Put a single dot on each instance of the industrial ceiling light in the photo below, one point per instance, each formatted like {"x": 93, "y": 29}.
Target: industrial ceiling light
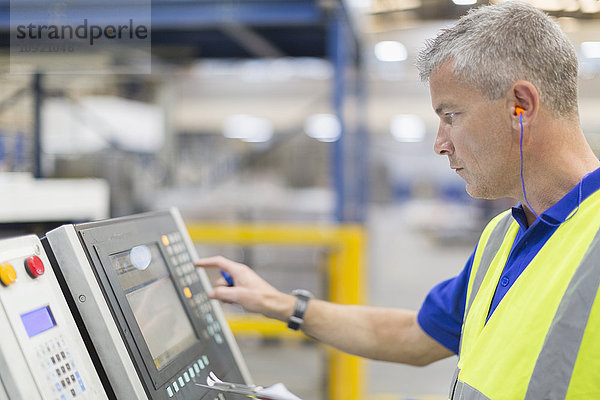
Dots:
{"x": 589, "y": 6}
{"x": 390, "y": 51}
{"x": 323, "y": 127}
{"x": 464, "y": 2}
{"x": 248, "y": 128}
{"x": 590, "y": 49}
{"x": 407, "y": 128}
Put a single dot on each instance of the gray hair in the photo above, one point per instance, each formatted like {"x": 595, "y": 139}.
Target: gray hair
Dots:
{"x": 494, "y": 46}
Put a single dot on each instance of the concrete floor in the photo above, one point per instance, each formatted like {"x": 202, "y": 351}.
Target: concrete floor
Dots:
{"x": 405, "y": 262}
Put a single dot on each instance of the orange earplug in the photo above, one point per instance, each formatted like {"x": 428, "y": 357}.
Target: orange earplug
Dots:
{"x": 519, "y": 110}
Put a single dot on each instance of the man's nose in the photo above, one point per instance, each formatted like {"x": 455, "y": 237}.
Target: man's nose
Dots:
{"x": 443, "y": 145}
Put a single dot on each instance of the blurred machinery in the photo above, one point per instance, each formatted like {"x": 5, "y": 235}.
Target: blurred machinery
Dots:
{"x": 32, "y": 205}
{"x": 181, "y": 33}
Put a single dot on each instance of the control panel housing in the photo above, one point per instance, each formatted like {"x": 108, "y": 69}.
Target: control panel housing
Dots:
{"x": 144, "y": 306}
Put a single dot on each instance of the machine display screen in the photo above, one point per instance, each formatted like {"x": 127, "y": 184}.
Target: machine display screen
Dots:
{"x": 148, "y": 287}
{"x": 38, "y": 321}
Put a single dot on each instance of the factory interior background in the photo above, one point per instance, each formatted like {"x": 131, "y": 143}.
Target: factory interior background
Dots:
{"x": 296, "y": 115}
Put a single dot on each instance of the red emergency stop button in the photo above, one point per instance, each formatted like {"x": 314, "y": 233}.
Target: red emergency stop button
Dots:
{"x": 8, "y": 275}
{"x": 34, "y": 266}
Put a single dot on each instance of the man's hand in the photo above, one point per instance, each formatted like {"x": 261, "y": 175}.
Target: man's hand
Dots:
{"x": 249, "y": 290}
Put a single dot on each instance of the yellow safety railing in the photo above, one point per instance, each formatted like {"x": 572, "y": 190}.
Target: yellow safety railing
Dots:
{"x": 347, "y": 245}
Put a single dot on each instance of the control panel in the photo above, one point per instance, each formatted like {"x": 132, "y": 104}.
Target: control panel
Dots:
{"x": 42, "y": 355}
{"x": 144, "y": 306}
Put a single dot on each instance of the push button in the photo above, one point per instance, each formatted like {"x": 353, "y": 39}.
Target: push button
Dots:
{"x": 8, "y": 276}
{"x": 34, "y": 266}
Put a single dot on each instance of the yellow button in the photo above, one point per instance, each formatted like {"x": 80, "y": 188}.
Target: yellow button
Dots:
{"x": 187, "y": 292}
{"x": 8, "y": 275}
{"x": 165, "y": 240}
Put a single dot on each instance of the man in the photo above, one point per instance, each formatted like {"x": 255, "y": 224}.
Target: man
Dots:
{"x": 522, "y": 314}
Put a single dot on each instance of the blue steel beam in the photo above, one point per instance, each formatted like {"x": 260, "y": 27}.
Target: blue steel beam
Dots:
{"x": 349, "y": 169}
{"x": 362, "y": 137}
{"x": 252, "y": 13}
{"x": 172, "y": 14}
{"x": 338, "y": 56}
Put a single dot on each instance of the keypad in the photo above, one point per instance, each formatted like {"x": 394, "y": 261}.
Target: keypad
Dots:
{"x": 187, "y": 375}
{"x": 180, "y": 260}
{"x": 55, "y": 358}
{"x": 188, "y": 278}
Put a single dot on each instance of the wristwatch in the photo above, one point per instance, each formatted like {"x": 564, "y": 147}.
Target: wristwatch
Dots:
{"x": 297, "y": 318}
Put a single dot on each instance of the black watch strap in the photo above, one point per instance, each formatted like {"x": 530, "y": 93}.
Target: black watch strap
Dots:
{"x": 297, "y": 317}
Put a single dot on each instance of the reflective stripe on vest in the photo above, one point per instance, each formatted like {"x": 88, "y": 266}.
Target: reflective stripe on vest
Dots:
{"x": 489, "y": 251}
{"x": 467, "y": 392}
{"x": 543, "y": 340}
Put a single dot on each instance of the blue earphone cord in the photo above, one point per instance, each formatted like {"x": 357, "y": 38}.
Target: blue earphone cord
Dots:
{"x": 525, "y": 193}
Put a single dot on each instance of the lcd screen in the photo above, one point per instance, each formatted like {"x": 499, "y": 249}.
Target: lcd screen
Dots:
{"x": 151, "y": 294}
{"x": 38, "y": 321}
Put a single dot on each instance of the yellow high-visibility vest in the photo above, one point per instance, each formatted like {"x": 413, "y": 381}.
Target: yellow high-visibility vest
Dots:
{"x": 543, "y": 339}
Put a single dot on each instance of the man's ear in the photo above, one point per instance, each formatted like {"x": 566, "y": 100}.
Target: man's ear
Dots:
{"x": 524, "y": 103}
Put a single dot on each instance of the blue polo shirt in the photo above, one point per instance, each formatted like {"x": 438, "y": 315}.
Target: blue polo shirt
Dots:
{"x": 441, "y": 314}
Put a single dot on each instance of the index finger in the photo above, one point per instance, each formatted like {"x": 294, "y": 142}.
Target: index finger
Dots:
{"x": 218, "y": 262}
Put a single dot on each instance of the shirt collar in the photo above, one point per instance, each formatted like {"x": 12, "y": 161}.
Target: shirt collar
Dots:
{"x": 562, "y": 208}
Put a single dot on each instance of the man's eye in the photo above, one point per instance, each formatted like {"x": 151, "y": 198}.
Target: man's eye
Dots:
{"x": 450, "y": 117}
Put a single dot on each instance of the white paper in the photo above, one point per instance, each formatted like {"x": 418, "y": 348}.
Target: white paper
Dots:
{"x": 277, "y": 392}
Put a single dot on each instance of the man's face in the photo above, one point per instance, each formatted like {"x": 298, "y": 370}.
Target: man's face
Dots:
{"x": 475, "y": 133}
